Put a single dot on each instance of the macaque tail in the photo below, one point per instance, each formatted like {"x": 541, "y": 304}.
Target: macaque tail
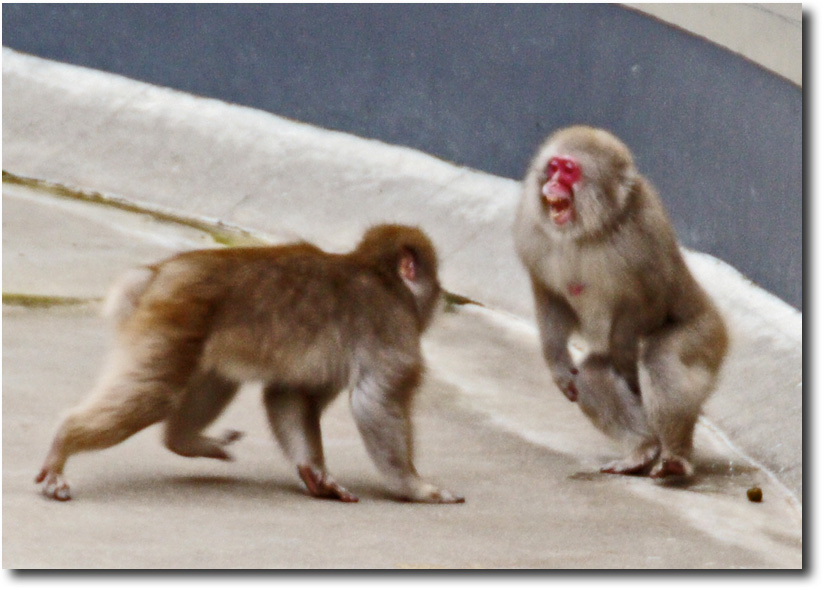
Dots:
{"x": 124, "y": 295}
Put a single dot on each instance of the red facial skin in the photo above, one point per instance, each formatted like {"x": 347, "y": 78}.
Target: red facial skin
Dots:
{"x": 562, "y": 173}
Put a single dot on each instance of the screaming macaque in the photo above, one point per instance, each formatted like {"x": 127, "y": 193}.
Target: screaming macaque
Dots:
{"x": 604, "y": 263}
{"x": 192, "y": 328}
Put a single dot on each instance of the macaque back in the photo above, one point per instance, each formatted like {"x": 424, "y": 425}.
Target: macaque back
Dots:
{"x": 288, "y": 314}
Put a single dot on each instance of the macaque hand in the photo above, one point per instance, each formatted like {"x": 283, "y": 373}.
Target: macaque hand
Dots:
{"x": 564, "y": 379}
{"x": 428, "y": 493}
{"x": 229, "y": 437}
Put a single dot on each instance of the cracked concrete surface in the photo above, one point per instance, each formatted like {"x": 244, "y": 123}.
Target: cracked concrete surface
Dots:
{"x": 490, "y": 425}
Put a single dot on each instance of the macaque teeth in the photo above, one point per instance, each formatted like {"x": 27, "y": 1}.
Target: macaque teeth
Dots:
{"x": 561, "y": 217}
{"x": 560, "y": 209}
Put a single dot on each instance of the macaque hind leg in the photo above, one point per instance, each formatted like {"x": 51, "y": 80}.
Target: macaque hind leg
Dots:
{"x": 294, "y": 415}
{"x": 126, "y": 401}
{"x": 682, "y": 373}
{"x": 207, "y": 394}
{"x": 612, "y": 405}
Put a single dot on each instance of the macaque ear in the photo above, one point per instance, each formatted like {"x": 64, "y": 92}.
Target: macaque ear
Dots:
{"x": 408, "y": 265}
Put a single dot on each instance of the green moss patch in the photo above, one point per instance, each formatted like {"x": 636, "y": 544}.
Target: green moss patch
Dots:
{"x": 451, "y": 301}
{"x": 219, "y": 232}
{"x": 41, "y": 301}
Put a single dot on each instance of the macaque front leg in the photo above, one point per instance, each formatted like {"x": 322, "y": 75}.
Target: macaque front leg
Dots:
{"x": 294, "y": 415}
{"x": 556, "y": 321}
{"x": 382, "y": 416}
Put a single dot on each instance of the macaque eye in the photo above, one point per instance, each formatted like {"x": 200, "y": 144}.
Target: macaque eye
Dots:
{"x": 551, "y": 169}
{"x": 569, "y": 166}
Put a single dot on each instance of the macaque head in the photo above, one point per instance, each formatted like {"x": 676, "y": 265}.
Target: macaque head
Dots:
{"x": 580, "y": 180}
{"x": 400, "y": 251}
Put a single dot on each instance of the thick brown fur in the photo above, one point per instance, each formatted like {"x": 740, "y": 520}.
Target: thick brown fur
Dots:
{"x": 616, "y": 276}
{"x": 307, "y": 323}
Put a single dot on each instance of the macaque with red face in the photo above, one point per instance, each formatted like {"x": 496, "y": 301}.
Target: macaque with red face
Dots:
{"x": 307, "y": 323}
{"x": 605, "y": 264}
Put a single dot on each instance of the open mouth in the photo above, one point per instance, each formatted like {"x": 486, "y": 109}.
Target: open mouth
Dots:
{"x": 560, "y": 208}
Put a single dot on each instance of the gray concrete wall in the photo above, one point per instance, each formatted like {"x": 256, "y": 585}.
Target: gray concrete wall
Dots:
{"x": 768, "y": 34}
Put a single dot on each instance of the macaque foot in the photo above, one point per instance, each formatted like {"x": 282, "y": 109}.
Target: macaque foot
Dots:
{"x": 230, "y": 436}
{"x": 55, "y": 485}
{"x": 625, "y": 466}
{"x": 201, "y": 446}
{"x": 638, "y": 462}
{"x": 320, "y": 484}
{"x": 428, "y": 493}
{"x": 672, "y": 467}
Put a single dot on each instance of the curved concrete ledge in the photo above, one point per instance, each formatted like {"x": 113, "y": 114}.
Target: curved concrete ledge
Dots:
{"x": 169, "y": 151}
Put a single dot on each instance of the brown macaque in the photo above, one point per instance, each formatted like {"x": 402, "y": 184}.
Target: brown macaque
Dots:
{"x": 605, "y": 264}
{"x": 192, "y": 328}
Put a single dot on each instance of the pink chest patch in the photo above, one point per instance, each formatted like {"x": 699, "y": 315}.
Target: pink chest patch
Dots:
{"x": 575, "y": 288}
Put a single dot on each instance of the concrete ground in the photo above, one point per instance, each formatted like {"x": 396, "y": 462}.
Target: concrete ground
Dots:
{"x": 105, "y": 173}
